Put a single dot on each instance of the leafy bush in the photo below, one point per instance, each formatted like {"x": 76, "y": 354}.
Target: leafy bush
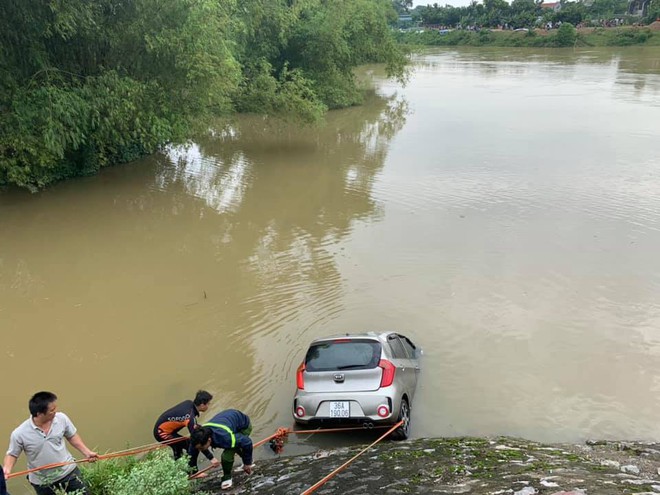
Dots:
{"x": 98, "y": 476}
{"x": 626, "y": 37}
{"x": 156, "y": 474}
{"x": 566, "y": 35}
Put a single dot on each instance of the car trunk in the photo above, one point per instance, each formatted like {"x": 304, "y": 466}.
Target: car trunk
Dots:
{"x": 343, "y": 365}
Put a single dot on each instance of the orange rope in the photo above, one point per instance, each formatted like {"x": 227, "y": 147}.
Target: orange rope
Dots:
{"x": 323, "y": 481}
{"x": 122, "y": 453}
{"x": 280, "y": 433}
{"x": 334, "y": 430}
{"x": 47, "y": 466}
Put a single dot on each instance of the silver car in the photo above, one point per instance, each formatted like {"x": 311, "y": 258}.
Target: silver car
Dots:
{"x": 360, "y": 378}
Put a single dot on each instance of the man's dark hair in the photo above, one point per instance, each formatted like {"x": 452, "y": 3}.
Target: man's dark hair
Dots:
{"x": 40, "y": 401}
{"x": 200, "y": 436}
{"x": 202, "y": 397}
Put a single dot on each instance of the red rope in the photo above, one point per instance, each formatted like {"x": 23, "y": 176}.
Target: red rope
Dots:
{"x": 323, "y": 481}
{"x": 112, "y": 455}
{"x": 280, "y": 434}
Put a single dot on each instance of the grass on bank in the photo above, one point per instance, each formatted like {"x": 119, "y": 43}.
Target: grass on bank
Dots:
{"x": 566, "y": 36}
{"x": 156, "y": 474}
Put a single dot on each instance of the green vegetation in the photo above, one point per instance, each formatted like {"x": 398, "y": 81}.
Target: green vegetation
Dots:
{"x": 529, "y": 14}
{"x": 156, "y": 474}
{"x": 653, "y": 12}
{"x": 99, "y": 475}
{"x": 566, "y": 36}
{"x": 601, "y": 23}
{"x": 85, "y": 84}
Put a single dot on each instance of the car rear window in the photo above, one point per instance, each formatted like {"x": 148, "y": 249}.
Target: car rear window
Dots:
{"x": 343, "y": 355}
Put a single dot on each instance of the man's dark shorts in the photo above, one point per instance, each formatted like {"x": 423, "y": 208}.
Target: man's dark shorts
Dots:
{"x": 70, "y": 483}
{"x": 3, "y": 485}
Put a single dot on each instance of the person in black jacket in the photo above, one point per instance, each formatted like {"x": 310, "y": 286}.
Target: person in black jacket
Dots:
{"x": 229, "y": 430}
{"x": 178, "y": 417}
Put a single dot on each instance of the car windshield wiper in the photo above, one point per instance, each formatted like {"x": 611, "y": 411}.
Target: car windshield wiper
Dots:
{"x": 350, "y": 366}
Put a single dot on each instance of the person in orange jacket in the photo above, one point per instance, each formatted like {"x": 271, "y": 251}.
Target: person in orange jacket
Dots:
{"x": 176, "y": 418}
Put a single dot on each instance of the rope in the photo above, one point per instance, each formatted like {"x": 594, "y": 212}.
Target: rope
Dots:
{"x": 281, "y": 433}
{"x": 112, "y": 455}
{"x": 334, "y": 430}
{"x": 323, "y": 481}
{"x": 47, "y": 466}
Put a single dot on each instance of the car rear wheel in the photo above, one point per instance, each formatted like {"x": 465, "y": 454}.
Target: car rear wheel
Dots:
{"x": 402, "y": 432}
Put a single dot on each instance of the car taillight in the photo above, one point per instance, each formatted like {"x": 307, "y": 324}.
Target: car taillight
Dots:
{"x": 388, "y": 373}
{"x": 300, "y": 379}
{"x": 300, "y": 411}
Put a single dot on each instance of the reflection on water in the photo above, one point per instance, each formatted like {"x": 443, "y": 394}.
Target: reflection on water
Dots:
{"x": 221, "y": 186}
{"x": 502, "y": 209}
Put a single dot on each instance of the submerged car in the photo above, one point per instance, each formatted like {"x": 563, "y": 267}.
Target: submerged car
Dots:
{"x": 364, "y": 378}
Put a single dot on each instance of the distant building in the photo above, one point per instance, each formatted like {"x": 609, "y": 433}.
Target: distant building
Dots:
{"x": 555, "y": 6}
{"x": 405, "y": 21}
{"x": 638, "y": 7}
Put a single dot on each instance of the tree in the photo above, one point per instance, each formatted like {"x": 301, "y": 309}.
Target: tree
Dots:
{"x": 571, "y": 12}
{"x": 87, "y": 84}
{"x": 606, "y": 9}
{"x": 402, "y": 6}
{"x": 524, "y": 13}
{"x": 336, "y": 37}
{"x": 496, "y": 12}
{"x": 653, "y": 13}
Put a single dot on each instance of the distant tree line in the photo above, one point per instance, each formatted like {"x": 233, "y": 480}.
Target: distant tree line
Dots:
{"x": 524, "y": 13}
{"x": 90, "y": 83}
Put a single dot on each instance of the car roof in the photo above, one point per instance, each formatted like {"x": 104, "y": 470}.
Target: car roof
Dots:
{"x": 382, "y": 336}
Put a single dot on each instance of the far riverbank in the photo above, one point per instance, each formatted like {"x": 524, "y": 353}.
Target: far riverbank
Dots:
{"x": 583, "y": 37}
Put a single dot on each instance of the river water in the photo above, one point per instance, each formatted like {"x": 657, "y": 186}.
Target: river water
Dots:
{"x": 502, "y": 209}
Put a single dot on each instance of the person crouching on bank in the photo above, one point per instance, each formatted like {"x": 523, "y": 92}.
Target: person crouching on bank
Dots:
{"x": 229, "y": 430}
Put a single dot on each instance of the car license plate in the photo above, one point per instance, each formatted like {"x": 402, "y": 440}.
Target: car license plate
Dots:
{"x": 339, "y": 409}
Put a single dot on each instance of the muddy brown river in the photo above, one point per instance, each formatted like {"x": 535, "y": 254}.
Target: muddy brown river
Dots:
{"x": 502, "y": 210}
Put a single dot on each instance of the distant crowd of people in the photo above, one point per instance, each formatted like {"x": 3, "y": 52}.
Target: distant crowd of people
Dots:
{"x": 41, "y": 438}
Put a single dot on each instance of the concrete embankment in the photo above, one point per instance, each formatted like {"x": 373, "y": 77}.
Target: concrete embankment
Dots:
{"x": 477, "y": 466}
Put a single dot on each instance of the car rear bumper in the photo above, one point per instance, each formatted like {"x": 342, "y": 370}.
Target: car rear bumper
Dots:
{"x": 363, "y": 407}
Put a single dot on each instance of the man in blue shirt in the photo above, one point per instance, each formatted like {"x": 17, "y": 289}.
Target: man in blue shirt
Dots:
{"x": 229, "y": 430}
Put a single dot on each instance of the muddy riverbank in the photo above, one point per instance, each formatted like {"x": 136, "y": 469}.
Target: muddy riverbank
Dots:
{"x": 477, "y": 466}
